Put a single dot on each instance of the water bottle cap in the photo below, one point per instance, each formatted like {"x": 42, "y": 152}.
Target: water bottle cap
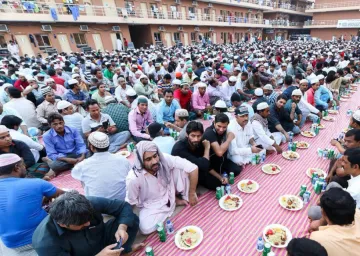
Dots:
{"x": 168, "y": 221}
{"x": 260, "y": 238}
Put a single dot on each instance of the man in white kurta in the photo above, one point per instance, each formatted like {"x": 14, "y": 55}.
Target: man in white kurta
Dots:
{"x": 156, "y": 184}
{"x": 243, "y": 146}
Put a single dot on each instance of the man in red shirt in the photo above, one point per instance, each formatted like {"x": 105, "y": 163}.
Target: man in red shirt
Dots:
{"x": 57, "y": 79}
{"x": 21, "y": 83}
{"x": 310, "y": 93}
{"x": 183, "y": 95}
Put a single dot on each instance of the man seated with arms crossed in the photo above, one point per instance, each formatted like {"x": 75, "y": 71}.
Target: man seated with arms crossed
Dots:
{"x": 243, "y": 146}
{"x": 64, "y": 145}
{"x": 157, "y": 183}
{"x": 181, "y": 121}
{"x": 139, "y": 119}
{"x": 262, "y": 135}
{"x": 200, "y": 100}
{"x": 103, "y": 174}
{"x": 341, "y": 234}
{"x": 75, "y": 226}
{"x": 20, "y": 205}
{"x": 196, "y": 151}
{"x": 219, "y": 139}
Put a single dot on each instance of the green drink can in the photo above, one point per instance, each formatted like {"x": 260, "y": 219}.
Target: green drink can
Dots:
{"x": 159, "y": 224}
{"x": 318, "y": 187}
{"x": 149, "y": 251}
{"x": 267, "y": 249}
{"x": 231, "y": 178}
{"x": 205, "y": 116}
{"x": 218, "y": 193}
{"x": 302, "y": 190}
{"x": 162, "y": 234}
{"x": 293, "y": 147}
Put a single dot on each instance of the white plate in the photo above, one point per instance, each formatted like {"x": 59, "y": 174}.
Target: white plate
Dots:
{"x": 297, "y": 144}
{"x": 301, "y": 204}
{"x": 231, "y": 110}
{"x": 333, "y": 112}
{"x": 308, "y": 173}
{"x": 284, "y": 154}
{"x": 257, "y": 186}
{"x": 221, "y": 203}
{"x": 271, "y": 173}
{"x": 124, "y": 153}
{"x": 308, "y": 136}
{"x": 322, "y": 126}
{"x": 288, "y": 235}
{"x": 177, "y": 237}
{"x": 329, "y": 118}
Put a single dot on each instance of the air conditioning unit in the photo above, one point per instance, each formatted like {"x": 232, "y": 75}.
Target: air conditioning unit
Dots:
{"x": 116, "y": 28}
{"x": 84, "y": 28}
{"x": 161, "y": 28}
{"x": 211, "y": 29}
{"x": 46, "y": 28}
{"x": 3, "y": 28}
{"x": 194, "y": 3}
{"x": 249, "y": 10}
{"x": 180, "y": 28}
{"x": 197, "y": 29}
{"x": 178, "y": 1}
{"x": 210, "y": 5}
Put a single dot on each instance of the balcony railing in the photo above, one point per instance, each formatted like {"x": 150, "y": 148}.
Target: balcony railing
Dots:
{"x": 320, "y": 22}
{"x": 334, "y": 5}
{"x": 289, "y": 7}
{"x": 286, "y": 23}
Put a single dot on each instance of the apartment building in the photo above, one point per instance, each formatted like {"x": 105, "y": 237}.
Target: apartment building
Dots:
{"x": 80, "y": 25}
{"x": 334, "y": 19}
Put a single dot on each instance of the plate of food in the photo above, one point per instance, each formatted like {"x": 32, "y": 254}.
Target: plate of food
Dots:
{"x": 333, "y": 111}
{"x": 290, "y": 155}
{"x": 302, "y": 144}
{"x": 124, "y": 153}
{"x": 271, "y": 169}
{"x": 187, "y": 238}
{"x": 308, "y": 134}
{"x": 320, "y": 172}
{"x": 329, "y": 118}
{"x": 277, "y": 235}
{"x": 344, "y": 100}
{"x": 345, "y": 96}
{"x": 345, "y": 130}
{"x": 230, "y": 202}
{"x": 248, "y": 186}
{"x": 321, "y": 126}
{"x": 291, "y": 202}
{"x": 231, "y": 109}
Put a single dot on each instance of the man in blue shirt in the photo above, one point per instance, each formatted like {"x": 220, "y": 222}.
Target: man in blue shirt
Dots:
{"x": 20, "y": 205}
{"x": 64, "y": 145}
{"x": 167, "y": 107}
{"x": 74, "y": 94}
{"x": 323, "y": 96}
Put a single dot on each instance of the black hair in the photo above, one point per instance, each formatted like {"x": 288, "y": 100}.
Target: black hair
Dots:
{"x": 299, "y": 76}
{"x": 319, "y": 65}
{"x": 288, "y": 80}
{"x": 71, "y": 208}
{"x": 54, "y": 116}
{"x": 197, "y": 79}
{"x": 339, "y": 206}
{"x": 356, "y": 121}
{"x": 331, "y": 76}
{"x": 245, "y": 74}
{"x": 235, "y": 97}
{"x": 221, "y": 118}
{"x": 14, "y": 92}
{"x": 219, "y": 72}
{"x": 282, "y": 96}
{"x": 10, "y": 121}
{"x": 194, "y": 126}
{"x": 91, "y": 102}
{"x": 167, "y": 76}
{"x": 355, "y": 133}
{"x": 353, "y": 155}
{"x": 305, "y": 247}
{"x": 168, "y": 91}
{"x": 51, "y": 72}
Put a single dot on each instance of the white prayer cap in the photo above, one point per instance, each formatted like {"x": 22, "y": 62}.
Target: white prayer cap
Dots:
{"x": 72, "y": 81}
{"x": 356, "y": 115}
{"x": 220, "y": 104}
{"x": 130, "y": 92}
{"x": 262, "y": 106}
{"x": 296, "y": 92}
{"x": 138, "y": 72}
{"x": 122, "y": 64}
{"x": 176, "y": 81}
{"x": 109, "y": 99}
{"x": 30, "y": 78}
{"x": 181, "y": 112}
{"x": 201, "y": 85}
{"x": 259, "y": 92}
{"x": 157, "y": 65}
{"x": 314, "y": 80}
{"x": 268, "y": 87}
{"x": 49, "y": 80}
{"x": 320, "y": 77}
{"x": 232, "y": 79}
{"x": 3, "y": 129}
{"x": 99, "y": 140}
{"x": 8, "y": 159}
{"x": 134, "y": 66}
{"x": 73, "y": 76}
{"x": 304, "y": 81}
{"x": 143, "y": 76}
{"x": 62, "y": 104}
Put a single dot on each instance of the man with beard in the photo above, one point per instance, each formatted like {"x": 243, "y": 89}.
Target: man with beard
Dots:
{"x": 157, "y": 183}
{"x": 143, "y": 87}
{"x": 183, "y": 95}
{"x": 294, "y": 111}
{"x": 253, "y": 82}
{"x": 308, "y": 111}
{"x": 219, "y": 139}
{"x": 21, "y": 212}
{"x": 270, "y": 94}
{"x": 181, "y": 121}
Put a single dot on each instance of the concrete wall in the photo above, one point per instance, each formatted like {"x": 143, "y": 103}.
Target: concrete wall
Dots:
{"x": 328, "y": 33}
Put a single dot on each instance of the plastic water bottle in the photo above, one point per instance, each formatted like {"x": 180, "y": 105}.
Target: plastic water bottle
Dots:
{"x": 262, "y": 157}
{"x": 169, "y": 227}
{"x": 260, "y": 244}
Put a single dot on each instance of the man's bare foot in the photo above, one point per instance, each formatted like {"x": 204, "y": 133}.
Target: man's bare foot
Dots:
{"x": 179, "y": 202}
{"x": 49, "y": 175}
{"x": 46, "y": 160}
{"x": 135, "y": 248}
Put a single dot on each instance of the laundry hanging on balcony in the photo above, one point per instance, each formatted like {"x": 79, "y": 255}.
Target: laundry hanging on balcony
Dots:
{"x": 75, "y": 11}
{"x": 53, "y": 13}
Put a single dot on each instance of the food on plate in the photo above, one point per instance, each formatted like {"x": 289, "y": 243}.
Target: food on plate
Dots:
{"x": 308, "y": 134}
{"x": 231, "y": 109}
{"x": 276, "y": 236}
{"x": 332, "y": 111}
{"x": 248, "y": 186}
{"x": 290, "y": 155}
{"x": 345, "y": 96}
{"x": 302, "y": 144}
{"x": 319, "y": 172}
{"x": 188, "y": 238}
{"x": 328, "y": 118}
{"x": 346, "y": 130}
{"x": 290, "y": 202}
{"x": 321, "y": 126}
{"x": 271, "y": 168}
{"x": 231, "y": 202}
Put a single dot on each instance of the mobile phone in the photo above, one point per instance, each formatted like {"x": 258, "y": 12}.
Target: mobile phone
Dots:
{"x": 259, "y": 146}
{"x": 118, "y": 245}
{"x": 105, "y": 124}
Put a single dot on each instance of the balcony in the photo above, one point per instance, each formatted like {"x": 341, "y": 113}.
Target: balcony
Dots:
{"x": 289, "y": 8}
{"x": 321, "y": 24}
{"x": 334, "y": 7}
{"x": 111, "y": 15}
{"x": 252, "y": 4}
{"x": 286, "y": 24}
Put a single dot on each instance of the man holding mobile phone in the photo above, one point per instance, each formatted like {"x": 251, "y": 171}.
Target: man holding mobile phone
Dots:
{"x": 243, "y": 146}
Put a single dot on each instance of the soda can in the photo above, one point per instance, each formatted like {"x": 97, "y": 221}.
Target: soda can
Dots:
{"x": 159, "y": 224}
{"x": 314, "y": 179}
{"x": 257, "y": 158}
{"x": 128, "y": 147}
{"x": 132, "y": 146}
{"x": 302, "y": 190}
{"x": 325, "y": 154}
{"x": 231, "y": 178}
{"x": 326, "y": 112}
{"x": 253, "y": 160}
{"x": 149, "y": 251}
{"x": 267, "y": 248}
{"x": 162, "y": 234}
{"x": 218, "y": 193}
{"x": 324, "y": 185}
{"x": 318, "y": 187}
{"x": 293, "y": 148}
{"x": 306, "y": 196}
{"x": 320, "y": 152}
{"x": 290, "y": 146}
{"x": 228, "y": 189}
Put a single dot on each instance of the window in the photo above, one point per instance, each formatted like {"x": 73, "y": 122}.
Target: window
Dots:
{"x": 2, "y": 42}
{"x": 191, "y": 13}
{"x": 80, "y": 38}
{"x": 193, "y": 37}
{"x": 177, "y": 37}
{"x": 174, "y": 13}
{"x": 207, "y": 35}
{"x": 207, "y": 13}
{"x": 157, "y": 37}
{"x": 43, "y": 40}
